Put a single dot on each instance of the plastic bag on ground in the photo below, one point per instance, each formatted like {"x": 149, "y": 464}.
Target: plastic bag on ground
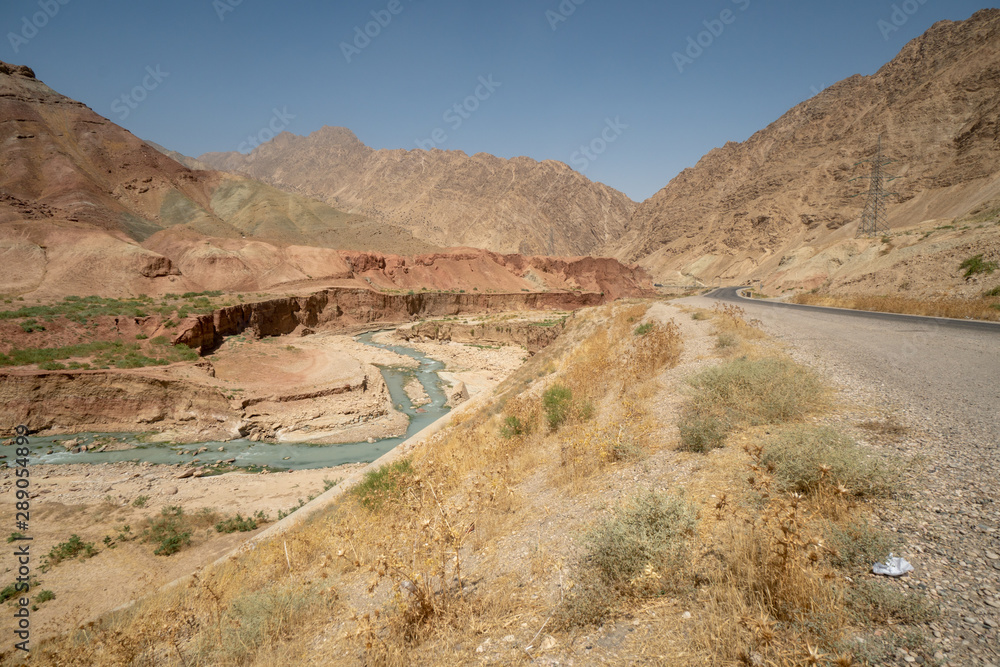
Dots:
{"x": 894, "y": 566}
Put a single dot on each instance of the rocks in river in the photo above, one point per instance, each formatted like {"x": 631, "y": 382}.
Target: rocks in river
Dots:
{"x": 187, "y": 473}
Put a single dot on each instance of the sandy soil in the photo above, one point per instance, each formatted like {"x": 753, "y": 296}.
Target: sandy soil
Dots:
{"x": 94, "y": 501}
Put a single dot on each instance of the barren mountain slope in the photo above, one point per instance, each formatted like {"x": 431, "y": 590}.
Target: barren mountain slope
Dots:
{"x": 444, "y": 197}
{"x": 81, "y": 196}
{"x": 747, "y": 205}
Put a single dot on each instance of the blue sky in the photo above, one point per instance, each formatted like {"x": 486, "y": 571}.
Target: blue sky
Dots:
{"x": 541, "y": 78}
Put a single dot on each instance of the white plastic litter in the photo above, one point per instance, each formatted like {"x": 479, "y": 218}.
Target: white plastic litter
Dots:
{"x": 893, "y": 567}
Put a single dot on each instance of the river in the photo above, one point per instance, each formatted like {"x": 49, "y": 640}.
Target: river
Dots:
{"x": 274, "y": 456}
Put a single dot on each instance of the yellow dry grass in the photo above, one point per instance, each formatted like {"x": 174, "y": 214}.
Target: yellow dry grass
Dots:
{"x": 984, "y": 308}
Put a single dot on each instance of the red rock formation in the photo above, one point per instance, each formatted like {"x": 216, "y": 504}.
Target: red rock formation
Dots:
{"x": 342, "y": 309}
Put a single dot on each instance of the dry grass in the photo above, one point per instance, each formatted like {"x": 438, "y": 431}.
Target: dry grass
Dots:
{"x": 433, "y": 557}
{"x": 745, "y": 392}
{"x": 984, "y": 308}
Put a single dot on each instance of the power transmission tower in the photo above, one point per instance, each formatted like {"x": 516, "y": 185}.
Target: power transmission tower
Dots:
{"x": 873, "y": 220}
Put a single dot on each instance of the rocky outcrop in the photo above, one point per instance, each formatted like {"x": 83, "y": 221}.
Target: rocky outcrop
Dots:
{"x": 343, "y": 309}
{"x": 113, "y": 401}
{"x": 533, "y": 336}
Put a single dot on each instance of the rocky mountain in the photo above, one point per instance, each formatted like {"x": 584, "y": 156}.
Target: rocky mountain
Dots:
{"x": 444, "y": 197}
{"x": 757, "y": 207}
{"x": 88, "y": 208}
{"x": 82, "y": 200}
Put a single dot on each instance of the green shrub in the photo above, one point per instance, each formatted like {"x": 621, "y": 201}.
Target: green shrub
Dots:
{"x": 556, "y": 403}
{"x": 140, "y": 501}
{"x": 642, "y": 548}
{"x": 857, "y": 544}
{"x": 993, "y": 292}
{"x": 45, "y": 596}
{"x": 640, "y": 551}
{"x": 746, "y": 392}
{"x": 702, "y": 432}
{"x": 801, "y": 457}
{"x": 386, "y": 484}
{"x": 74, "y": 547}
{"x": 168, "y": 531}
{"x": 512, "y": 428}
{"x": 236, "y": 524}
{"x": 975, "y": 265}
{"x": 643, "y": 329}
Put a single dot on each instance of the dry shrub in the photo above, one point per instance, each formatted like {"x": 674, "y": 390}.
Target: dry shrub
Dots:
{"x": 771, "y": 592}
{"x": 977, "y": 309}
{"x": 415, "y": 555}
{"x": 728, "y": 318}
{"x": 641, "y": 551}
{"x": 803, "y": 457}
{"x": 587, "y": 446}
{"x": 616, "y": 356}
{"x": 746, "y": 392}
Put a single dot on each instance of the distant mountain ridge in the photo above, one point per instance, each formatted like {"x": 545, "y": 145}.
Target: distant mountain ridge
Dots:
{"x": 444, "y": 197}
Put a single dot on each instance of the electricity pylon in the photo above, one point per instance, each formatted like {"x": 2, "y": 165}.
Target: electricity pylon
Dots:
{"x": 874, "y": 219}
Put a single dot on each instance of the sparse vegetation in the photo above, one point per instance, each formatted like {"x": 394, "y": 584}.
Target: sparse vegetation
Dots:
{"x": 976, "y": 265}
{"x": 976, "y": 309}
{"x": 74, "y": 547}
{"x": 455, "y": 548}
{"x": 746, "y": 392}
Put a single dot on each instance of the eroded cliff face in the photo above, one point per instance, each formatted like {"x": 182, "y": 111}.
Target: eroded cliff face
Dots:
{"x": 114, "y": 401}
{"x": 344, "y": 309}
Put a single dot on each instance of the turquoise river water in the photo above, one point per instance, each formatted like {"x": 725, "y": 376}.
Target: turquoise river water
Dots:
{"x": 276, "y": 456}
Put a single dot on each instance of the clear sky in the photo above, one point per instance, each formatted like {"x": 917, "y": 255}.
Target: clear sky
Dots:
{"x": 627, "y": 80}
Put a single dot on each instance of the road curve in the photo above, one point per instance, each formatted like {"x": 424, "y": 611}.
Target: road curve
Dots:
{"x": 733, "y": 294}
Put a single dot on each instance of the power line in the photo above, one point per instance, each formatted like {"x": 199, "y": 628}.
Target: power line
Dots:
{"x": 874, "y": 219}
